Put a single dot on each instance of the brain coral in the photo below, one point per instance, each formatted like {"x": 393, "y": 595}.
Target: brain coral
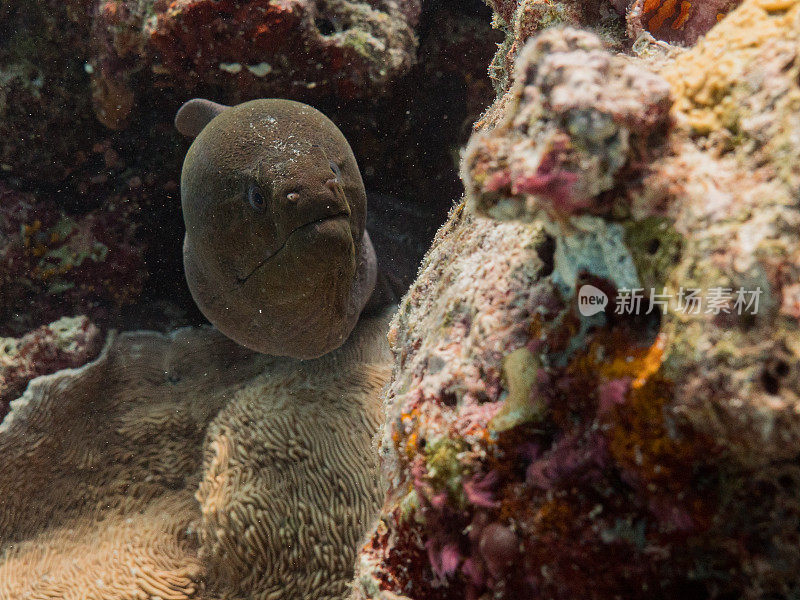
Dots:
{"x": 535, "y": 450}
{"x": 168, "y": 468}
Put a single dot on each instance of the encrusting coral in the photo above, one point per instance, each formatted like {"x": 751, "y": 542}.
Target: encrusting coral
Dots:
{"x": 168, "y": 468}
{"x": 67, "y": 343}
{"x": 538, "y": 445}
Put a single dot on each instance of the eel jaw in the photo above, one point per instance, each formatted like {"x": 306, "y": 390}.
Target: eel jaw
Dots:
{"x": 242, "y": 280}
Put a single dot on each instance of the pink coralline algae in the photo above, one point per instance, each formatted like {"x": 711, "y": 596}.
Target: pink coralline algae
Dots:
{"x": 580, "y": 123}
{"x": 66, "y": 343}
{"x": 536, "y": 451}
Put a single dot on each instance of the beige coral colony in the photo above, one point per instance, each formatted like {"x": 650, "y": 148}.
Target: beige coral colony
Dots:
{"x": 400, "y": 300}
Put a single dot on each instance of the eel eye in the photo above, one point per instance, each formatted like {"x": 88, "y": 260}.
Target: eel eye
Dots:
{"x": 255, "y": 199}
{"x": 293, "y": 196}
{"x": 335, "y": 169}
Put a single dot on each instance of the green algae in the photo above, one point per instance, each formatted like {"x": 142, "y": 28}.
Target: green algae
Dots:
{"x": 520, "y": 369}
{"x": 655, "y": 247}
{"x": 444, "y": 467}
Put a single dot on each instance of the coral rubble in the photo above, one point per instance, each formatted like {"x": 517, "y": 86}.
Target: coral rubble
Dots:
{"x": 538, "y": 446}
{"x": 168, "y": 467}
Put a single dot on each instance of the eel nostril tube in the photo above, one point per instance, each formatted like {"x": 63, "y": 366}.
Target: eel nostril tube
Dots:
{"x": 332, "y": 183}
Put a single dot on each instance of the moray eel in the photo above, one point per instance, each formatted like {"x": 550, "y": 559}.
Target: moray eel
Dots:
{"x": 276, "y": 252}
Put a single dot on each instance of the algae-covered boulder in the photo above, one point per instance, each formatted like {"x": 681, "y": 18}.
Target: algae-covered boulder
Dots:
{"x": 596, "y": 390}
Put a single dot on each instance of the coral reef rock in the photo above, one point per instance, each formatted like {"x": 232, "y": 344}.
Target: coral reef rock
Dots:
{"x": 182, "y": 466}
{"x": 578, "y": 124}
{"x": 596, "y": 391}
{"x": 523, "y": 19}
{"x": 67, "y": 343}
{"x": 619, "y": 23}
{"x": 52, "y": 262}
{"x": 295, "y": 48}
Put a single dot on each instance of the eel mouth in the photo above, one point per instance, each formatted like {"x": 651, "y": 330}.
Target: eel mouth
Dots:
{"x": 341, "y": 215}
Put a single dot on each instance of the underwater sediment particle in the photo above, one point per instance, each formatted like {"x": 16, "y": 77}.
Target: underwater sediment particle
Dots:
{"x": 659, "y": 457}
{"x": 169, "y": 467}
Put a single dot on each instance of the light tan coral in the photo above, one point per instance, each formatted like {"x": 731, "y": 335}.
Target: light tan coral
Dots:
{"x": 85, "y": 450}
{"x": 142, "y": 554}
{"x": 759, "y": 35}
{"x": 289, "y": 486}
{"x": 102, "y": 465}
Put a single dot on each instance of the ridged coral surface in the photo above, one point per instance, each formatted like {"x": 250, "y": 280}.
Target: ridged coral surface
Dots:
{"x": 536, "y": 449}
{"x": 183, "y": 466}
